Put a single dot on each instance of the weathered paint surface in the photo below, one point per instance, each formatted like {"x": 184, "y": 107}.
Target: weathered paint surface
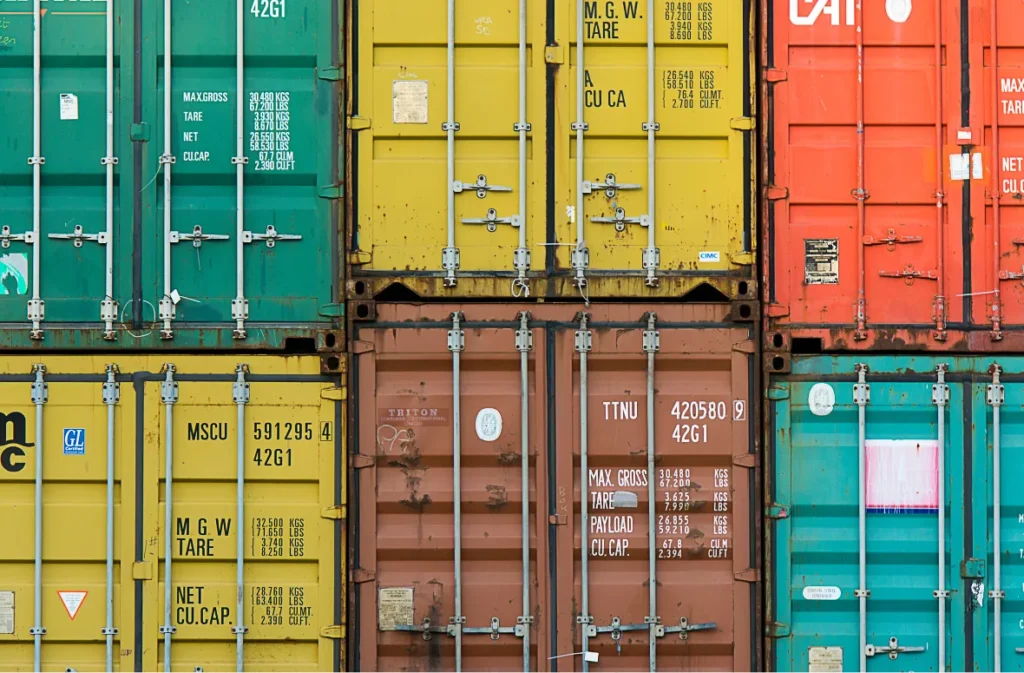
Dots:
{"x": 705, "y": 482}
{"x": 294, "y": 546}
{"x": 703, "y": 153}
{"x": 813, "y": 547}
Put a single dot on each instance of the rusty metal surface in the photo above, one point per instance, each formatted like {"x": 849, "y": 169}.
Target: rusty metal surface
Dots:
{"x": 403, "y": 488}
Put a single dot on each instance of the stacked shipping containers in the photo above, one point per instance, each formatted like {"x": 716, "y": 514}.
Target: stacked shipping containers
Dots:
{"x": 551, "y": 268}
{"x": 171, "y": 457}
{"x": 892, "y": 231}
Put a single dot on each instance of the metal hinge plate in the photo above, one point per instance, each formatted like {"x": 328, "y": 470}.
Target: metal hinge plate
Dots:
{"x": 358, "y": 123}
{"x": 361, "y": 460}
{"x": 142, "y": 570}
{"x": 331, "y": 73}
{"x": 336, "y": 513}
{"x": 776, "y": 512}
{"x": 554, "y": 54}
{"x": 334, "y": 632}
{"x": 361, "y": 576}
{"x": 777, "y": 393}
{"x": 359, "y": 257}
{"x": 333, "y": 394}
{"x": 742, "y": 123}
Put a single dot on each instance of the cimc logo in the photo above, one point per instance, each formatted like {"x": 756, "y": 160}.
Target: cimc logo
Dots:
{"x": 842, "y": 11}
{"x": 13, "y": 441}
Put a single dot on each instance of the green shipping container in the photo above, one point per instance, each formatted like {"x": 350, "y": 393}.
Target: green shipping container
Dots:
{"x": 170, "y": 173}
{"x": 895, "y": 530}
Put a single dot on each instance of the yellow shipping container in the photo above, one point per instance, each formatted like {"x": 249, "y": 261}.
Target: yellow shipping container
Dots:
{"x": 488, "y": 163}
{"x": 104, "y": 443}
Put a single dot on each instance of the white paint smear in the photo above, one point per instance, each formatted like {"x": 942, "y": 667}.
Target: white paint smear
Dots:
{"x": 902, "y": 475}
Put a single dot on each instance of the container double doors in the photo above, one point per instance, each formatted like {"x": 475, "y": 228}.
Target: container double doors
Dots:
{"x": 922, "y": 590}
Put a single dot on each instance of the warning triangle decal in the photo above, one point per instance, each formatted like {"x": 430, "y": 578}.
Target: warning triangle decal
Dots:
{"x": 72, "y": 601}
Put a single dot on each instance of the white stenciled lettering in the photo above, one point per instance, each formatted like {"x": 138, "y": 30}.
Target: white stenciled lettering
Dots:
{"x": 721, "y": 525}
{"x": 635, "y": 478}
{"x": 611, "y": 525}
{"x": 721, "y": 478}
{"x": 271, "y": 131}
{"x": 613, "y": 547}
{"x": 190, "y": 136}
{"x": 199, "y": 157}
{"x": 620, "y": 411}
{"x": 829, "y": 8}
{"x": 601, "y": 478}
{"x": 602, "y": 500}
{"x": 1013, "y": 107}
{"x": 268, "y": 9}
{"x": 718, "y": 548}
{"x": 205, "y": 97}
{"x": 721, "y": 501}
{"x": 193, "y": 116}
{"x": 1011, "y": 84}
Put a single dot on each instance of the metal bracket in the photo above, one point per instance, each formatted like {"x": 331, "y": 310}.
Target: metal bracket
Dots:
{"x": 168, "y": 159}
{"x": 494, "y": 630}
{"x": 109, "y": 631}
{"x": 651, "y": 126}
{"x": 580, "y": 260}
{"x": 456, "y": 335}
{"x": 239, "y": 309}
{"x": 862, "y": 593}
{"x": 37, "y": 631}
{"x": 909, "y": 273}
{"x": 620, "y": 220}
{"x": 940, "y": 391}
{"x": 891, "y": 240}
{"x": 492, "y": 220}
{"x": 893, "y": 649}
{"x": 6, "y": 237}
{"x": 169, "y": 387}
{"x": 521, "y": 257}
{"x": 584, "y": 338}
{"x": 271, "y": 237}
{"x": 240, "y": 389}
{"x": 239, "y": 160}
{"x": 40, "y": 389}
{"x": 111, "y": 388}
{"x": 610, "y": 187}
{"x": 111, "y": 161}
{"x": 36, "y": 310}
{"x": 995, "y": 393}
{"x": 480, "y": 186}
{"x": 424, "y": 628}
{"x": 652, "y": 337}
{"x": 239, "y": 629}
{"x": 861, "y": 390}
{"x": 450, "y": 263}
{"x": 685, "y": 628}
{"x": 524, "y": 126}
{"x": 197, "y": 236}
{"x": 580, "y": 126}
{"x": 36, "y": 161}
{"x": 455, "y": 625}
{"x": 1011, "y": 275}
{"x": 451, "y": 126}
{"x": 166, "y": 312}
{"x": 79, "y": 237}
{"x": 523, "y": 623}
{"x": 168, "y": 629}
{"x": 940, "y": 593}
{"x": 524, "y": 336}
{"x": 651, "y": 256}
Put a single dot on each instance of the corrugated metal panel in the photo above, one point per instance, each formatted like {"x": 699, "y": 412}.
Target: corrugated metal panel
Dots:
{"x": 698, "y": 154}
{"x": 282, "y": 125}
{"x": 411, "y": 484}
{"x": 291, "y": 531}
{"x": 813, "y": 537}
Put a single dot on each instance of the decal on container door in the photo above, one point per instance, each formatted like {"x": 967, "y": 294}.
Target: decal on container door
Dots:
{"x": 6, "y": 612}
{"x": 825, "y": 659}
{"x": 409, "y": 102}
{"x": 72, "y": 601}
{"x": 821, "y": 261}
{"x": 394, "y": 608}
{"x": 902, "y": 475}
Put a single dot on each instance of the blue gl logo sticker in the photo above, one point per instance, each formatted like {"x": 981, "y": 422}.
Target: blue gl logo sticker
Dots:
{"x": 74, "y": 441}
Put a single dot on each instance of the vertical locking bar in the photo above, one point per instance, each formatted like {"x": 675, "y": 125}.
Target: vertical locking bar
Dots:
{"x": 456, "y": 344}
{"x": 996, "y": 394}
{"x": 36, "y": 305}
{"x": 240, "y": 306}
{"x": 860, "y": 193}
{"x": 861, "y": 396}
{"x": 169, "y": 396}
{"x": 584, "y": 344}
{"x": 450, "y": 255}
{"x": 580, "y": 253}
{"x": 521, "y": 257}
{"x": 166, "y": 305}
{"x": 940, "y": 397}
{"x": 650, "y": 255}
{"x": 240, "y": 395}
{"x": 524, "y": 344}
{"x": 108, "y": 307}
{"x": 651, "y": 345}
{"x": 40, "y": 395}
{"x": 995, "y": 168}
{"x": 111, "y": 396}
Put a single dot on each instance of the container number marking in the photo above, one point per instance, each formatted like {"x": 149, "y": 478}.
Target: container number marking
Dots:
{"x": 691, "y": 434}
{"x": 268, "y": 9}
{"x": 699, "y": 410}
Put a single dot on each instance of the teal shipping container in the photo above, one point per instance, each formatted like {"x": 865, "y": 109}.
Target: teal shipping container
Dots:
{"x": 170, "y": 174}
{"x": 895, "y": 516}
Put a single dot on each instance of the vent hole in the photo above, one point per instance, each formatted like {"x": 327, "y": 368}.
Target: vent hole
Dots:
{"x": 777, "y": 340}
{"x": 362, "y": 311}
{"x": 333, "y": 363}
{"x": 743, "y": 288}
{"x": 360, "y": 287}
{"x": 330, "y": 340}
{"x": 778, "y": 363}
{"x": 745, "y": 311}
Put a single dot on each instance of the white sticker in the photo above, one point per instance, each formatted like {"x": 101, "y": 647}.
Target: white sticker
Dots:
{"x": 902, "y": 475}
{"x": 709, "y": 256}
{"x": 488, "y": 424}
{"x": 821, "y": 399}
{"x": 72, "y": 601}
{"x": 409, "y": 101}
{"x": 6, "y": 612}
{"x": 14, "y": 273}
{"x": 966, "y": 166}
{"x": 68, "y": 106}
{"x": 822, "y": 593}
{"x": 394, "y": 608}
{"x": 825, "y": 659}
{"x": 898, "y": 11}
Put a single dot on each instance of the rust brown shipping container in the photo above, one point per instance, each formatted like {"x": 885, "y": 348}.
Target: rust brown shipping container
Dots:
{"x": 449, "y": 528}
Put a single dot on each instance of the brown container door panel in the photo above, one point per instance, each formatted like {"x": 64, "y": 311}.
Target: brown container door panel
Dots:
{"x": 840, "y": 194}
{"x": 702, "y": 478}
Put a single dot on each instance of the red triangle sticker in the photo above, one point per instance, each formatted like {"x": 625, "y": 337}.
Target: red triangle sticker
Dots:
{"x": 72, "y": 601}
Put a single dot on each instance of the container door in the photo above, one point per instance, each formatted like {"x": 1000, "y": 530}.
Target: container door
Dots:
{"x": 82, "y": 468}
{"x": 836, "y": 601}
{"x": 248, "y": 572}
{"x": 662, "y": 479}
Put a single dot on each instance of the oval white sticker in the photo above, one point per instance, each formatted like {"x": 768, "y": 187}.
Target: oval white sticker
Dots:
{"x": 822, "y": 399}
{"x": 822, "y": 593}
{"x": 488, "y": 424}
{"x": 898, "y": 11}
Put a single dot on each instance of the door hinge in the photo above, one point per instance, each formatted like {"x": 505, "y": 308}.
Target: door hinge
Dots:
{"x": 142, "y": 570}
{"x": 775, "y": 75}
{"x": 972, "y": 568}
{"x": 741, "y": 258}
{"x": 357, "y": 123}
{"x": 744, "y": 347}
{"x": 331, "y": 310}
{"x": 361, "y": 460}
{"x": 333, "y": 394}
{"x": 743, "y": 123}
{"x": 336, "y": 513}
{"x": 554, "y": 54}
{"x": 748, "y": 460}
{"x": 775, "y": 193}
{"x": 331, "y": 73}
{"x": 331, "y": 191}
{"x": 361, "y": 575}
{"x": 334, "y": 632}
{"x": 776, "y": 511}
{"x": 776, "y": 630}
{"x": 360, "y": 347}
{"x": 777, "y": 393}
{"x": 750, "y": 575}
{"x": 139, "y": 132}
{"x": 557, "y": 520}
{"x": 777, "y": 310}
{"x": 357, "y": 257}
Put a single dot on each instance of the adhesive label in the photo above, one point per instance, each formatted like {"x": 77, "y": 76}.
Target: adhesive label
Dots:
{"x": 488, "y": 424}
{"x": 902, "y": 475}
{"x": 409, "y": 101}
{"x": 821, "y": 261}
{"x": 898, "y": 11}
{"x": 822, "y": 593}
{"x": 68, "y": 106}
{"x": 825, "y": 659}
{"x": 14, "y": 274}
{"x": 6, "y": 612}
{"x": 394, "y": 608}
{"x": 709, "y": 256}
{"x": 72, "y": 601}
{"x": 821, "y": 399}
{"x": 74, "y": 441}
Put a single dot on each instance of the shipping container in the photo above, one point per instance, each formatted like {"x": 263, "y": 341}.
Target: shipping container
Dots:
{"x": 132, "y": 541}
{"x": 484, "y": 434}
{"x": 150, "y": 128}
{"x": 551, "y": 148}
{"x": 894, "y": 527}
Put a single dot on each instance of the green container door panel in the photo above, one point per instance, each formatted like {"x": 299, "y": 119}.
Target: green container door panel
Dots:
{"x": 289, "y": 153}
{"x": 72, "y": 135}
{"x": 816, "y": 545}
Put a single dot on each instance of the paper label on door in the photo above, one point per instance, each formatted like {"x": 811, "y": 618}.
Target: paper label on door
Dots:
{"x": 822, "y": 593}
{"x": 72, "y": 601}
{"x": 394, "y": 607}
{"x": 409, "y": 101}
{"x": 821, "y": 261}
{"x": 6, "y": 612}
{"x": 825, "y": 659}
{"x": 14, "y": 274}
{"x": 68, "y": 106}
{"x": 902, "y": 475}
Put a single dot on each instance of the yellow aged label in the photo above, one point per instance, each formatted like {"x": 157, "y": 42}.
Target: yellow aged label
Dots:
{"x": 6, "y": 612}
{"x": 394, "y": 608}
{"x": 825, "y": 659}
